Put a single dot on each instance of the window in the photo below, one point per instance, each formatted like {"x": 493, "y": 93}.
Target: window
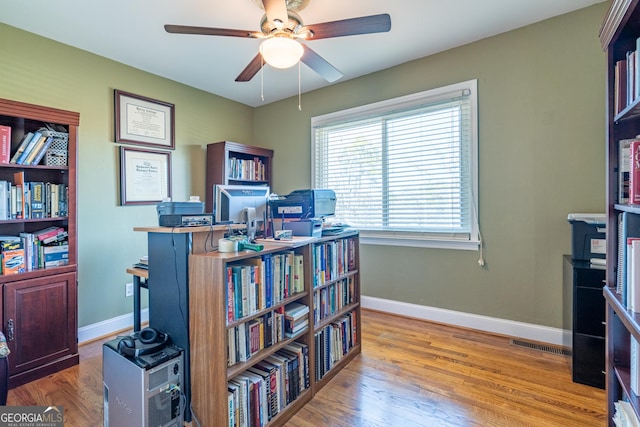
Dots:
{"x": 404, "y": 170}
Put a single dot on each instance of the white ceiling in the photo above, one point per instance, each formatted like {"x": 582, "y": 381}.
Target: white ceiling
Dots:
{"x": 131, "y": 32}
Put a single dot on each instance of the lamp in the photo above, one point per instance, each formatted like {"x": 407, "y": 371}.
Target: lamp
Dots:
{"x": 281, "y": 52}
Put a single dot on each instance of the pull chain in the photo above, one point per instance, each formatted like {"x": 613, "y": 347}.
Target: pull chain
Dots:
{"x": 261, "y": 78}
{"x": 299, "y": 96}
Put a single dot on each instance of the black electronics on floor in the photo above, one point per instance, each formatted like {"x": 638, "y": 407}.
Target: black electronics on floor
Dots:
{"x": 142, "y": 381}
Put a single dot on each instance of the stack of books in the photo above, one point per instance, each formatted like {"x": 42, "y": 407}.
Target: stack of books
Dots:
{"x": 296, "y": 318}
{"x": 44, "y": 248}
{"x": 142, "y": 263}
{"x": 52, "y": 247}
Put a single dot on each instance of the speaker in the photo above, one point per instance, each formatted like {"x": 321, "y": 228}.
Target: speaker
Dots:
{"x": 150, "y": 339}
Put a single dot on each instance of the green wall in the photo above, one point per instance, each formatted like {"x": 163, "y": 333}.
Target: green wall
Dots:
{"x": 40, "y": 71}
{"x": 541, "y": 156}
{"x": 541, "y": 93}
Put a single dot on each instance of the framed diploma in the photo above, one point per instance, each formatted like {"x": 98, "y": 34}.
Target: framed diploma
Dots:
{"x": 145, "y": 176}
{"x": 143, "y": 121}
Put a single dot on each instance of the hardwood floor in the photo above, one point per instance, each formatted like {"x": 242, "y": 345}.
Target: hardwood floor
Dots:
{"x": 410, "y": 373}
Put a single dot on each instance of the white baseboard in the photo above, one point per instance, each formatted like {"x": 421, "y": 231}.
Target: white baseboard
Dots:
{"x": 109, "y": 326}
{"x": 473, "y": 321}
{"x": 494, "y": 325}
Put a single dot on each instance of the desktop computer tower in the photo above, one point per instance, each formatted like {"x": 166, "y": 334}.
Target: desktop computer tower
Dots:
{"x": 142, "y": 391}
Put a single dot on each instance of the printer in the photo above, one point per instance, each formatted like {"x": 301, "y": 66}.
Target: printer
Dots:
{"x": 305, "y": 204}
{"x": 302, "y": 211}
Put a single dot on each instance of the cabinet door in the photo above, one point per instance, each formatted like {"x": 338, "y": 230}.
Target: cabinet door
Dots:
{"x": 40, "y": 320}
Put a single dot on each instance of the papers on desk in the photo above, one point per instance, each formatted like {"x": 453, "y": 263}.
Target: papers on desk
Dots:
{"x": 293, "y": 241}
{"x": 143, "y": 263}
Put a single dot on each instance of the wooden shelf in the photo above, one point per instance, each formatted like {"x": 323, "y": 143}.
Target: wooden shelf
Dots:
{"x": 219, "y": 168}
{"x": 619, "y": 34}
{"x": 209, "y": 327}
{"x": 23, "y": 295}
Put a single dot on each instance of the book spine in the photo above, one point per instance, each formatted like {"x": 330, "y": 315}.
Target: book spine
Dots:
{"x": 32, "y": 142}
{"x": 42, "y": 152}
{"x": 48, "y": 232}
{"x": 36, "y": 149}
{"x": 5, "y": 144}
{"x": 5, "y": 212}
{"x": 23, "y": 144}
{"x": 633, "y": 274}
{"x": 230, "y": 296}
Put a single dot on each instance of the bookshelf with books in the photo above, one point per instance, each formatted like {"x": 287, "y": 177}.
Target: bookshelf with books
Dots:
{"x": 252, "y": 331}
{"x": 336, "y": 304}
{"x": 234, "y": 163}
{"x": 38, "y": 233}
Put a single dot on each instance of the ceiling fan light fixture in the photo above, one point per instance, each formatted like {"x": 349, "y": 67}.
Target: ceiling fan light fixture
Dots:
{"x": 281, "y": 52}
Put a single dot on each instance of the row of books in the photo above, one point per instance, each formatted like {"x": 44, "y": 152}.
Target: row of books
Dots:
{"x": 333, "y": 342}
{"x": 261, "y": 283}
{"x": 330, "y": 300}
{"x": 30, "y": 200}
{"x": 332, "y": 260}
{"x": 628, "y": 263}
{"x": 32, "y": 147}
{"x": 31, "y": 251}
{"x": 248, "y": 338}
{"x": 627, "y": 79}
{"x": 258, "y": 394}
{"x": 247, "y": 169}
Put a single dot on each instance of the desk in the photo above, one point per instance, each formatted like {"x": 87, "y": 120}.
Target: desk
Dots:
{"x": 140, "y": 280}
{"x": 169, "y": 249}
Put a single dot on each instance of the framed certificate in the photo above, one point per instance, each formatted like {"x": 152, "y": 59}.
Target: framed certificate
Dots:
{"x": 143, "y": 121}
{"x": 145, "y": 176}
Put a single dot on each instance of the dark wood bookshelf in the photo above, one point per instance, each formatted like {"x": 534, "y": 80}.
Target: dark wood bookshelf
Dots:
{"x": 619, "y": 35}
{"x": 24, "y": 294}
{"x": 219, "y": 170}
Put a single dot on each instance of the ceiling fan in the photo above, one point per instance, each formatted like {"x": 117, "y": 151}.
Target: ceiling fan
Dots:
{"x": 281, "y": 28}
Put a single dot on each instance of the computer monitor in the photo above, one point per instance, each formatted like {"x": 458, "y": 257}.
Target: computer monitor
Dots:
{"x": 231, "y": 200}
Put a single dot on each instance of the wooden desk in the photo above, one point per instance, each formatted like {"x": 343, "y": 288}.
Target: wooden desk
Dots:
{"x": 140, "y": 280}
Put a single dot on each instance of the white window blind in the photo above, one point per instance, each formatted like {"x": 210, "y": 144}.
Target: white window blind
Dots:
{"x": 403, "y": 169}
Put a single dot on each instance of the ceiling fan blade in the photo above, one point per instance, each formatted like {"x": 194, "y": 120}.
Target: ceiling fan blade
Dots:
{"x": 276, "y": 11}
{"x": 349, "y": 27}
{"x": 208, "y": 31}
{"x": 251, "y": 70}
{"x": 320, "y": 65}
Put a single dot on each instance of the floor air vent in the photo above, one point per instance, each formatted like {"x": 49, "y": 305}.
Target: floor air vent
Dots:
{"x": 542, "y": 347}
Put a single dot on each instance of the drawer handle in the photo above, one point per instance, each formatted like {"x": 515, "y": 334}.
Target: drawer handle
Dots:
{"x": 604, "y": 372}
{"x": 10, "y": 330}
{"x": 604, "y": 323}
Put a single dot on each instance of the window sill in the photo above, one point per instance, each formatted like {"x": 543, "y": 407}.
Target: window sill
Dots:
{"x": 463, "y": 245}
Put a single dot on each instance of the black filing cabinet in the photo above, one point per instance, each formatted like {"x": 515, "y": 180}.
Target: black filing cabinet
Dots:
{"x": 583, "y": 285}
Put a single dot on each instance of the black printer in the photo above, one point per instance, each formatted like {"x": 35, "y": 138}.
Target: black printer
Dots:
{"x": 304, "y": 204}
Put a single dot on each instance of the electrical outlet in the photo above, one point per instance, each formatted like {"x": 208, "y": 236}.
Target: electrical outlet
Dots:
{"x": 128, "y": 289}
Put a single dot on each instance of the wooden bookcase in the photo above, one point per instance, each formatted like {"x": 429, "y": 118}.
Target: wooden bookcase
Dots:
{"x": 39, "y": 307}
{"x": 619, "y": 34}
{"x": 210, "y": 321}
{"x": 220, "y": 166}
